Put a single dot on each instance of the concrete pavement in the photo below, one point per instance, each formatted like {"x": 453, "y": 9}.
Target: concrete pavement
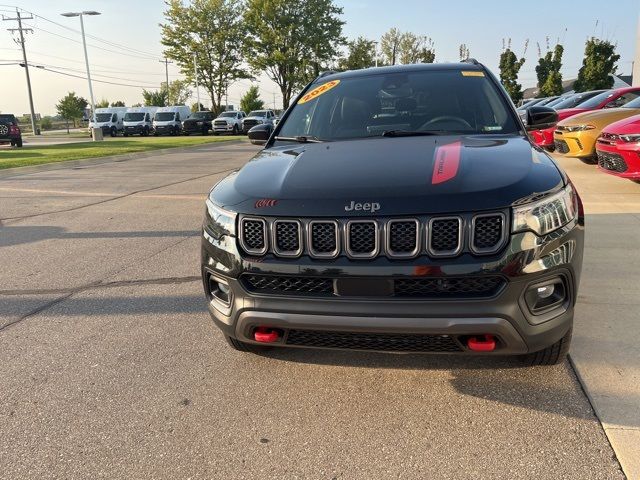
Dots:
{"x": 111, "y": 368}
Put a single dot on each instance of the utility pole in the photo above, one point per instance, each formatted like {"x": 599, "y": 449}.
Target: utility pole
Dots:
{"x": 195, "y": 73}
{"x": 226, "y": 96}
{"x": 166, "y": 72}
{"x": 21, "y": 31}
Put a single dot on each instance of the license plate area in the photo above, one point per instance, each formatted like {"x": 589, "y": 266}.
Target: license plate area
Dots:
{"x": 363, "y": 287}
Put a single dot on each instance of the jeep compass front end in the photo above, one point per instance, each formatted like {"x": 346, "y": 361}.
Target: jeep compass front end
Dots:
{"x": 398, "y": 209}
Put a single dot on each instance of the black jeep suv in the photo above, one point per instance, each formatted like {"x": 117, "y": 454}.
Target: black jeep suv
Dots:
{"x": 398, "y": 209}
{"x": 198, "y": 122}
{"x": 9, "y": 130}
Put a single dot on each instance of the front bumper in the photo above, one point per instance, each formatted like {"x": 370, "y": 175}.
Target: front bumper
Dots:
{"x": 228, "y": 127}
{"x": 543, "y": 138}
{"x": 134, "y": 129}
{"x": 165, "y": 129}
{"x": 576, "y": 144}
{"x": 525, "y": 261}
{"x": 625, "y": 156}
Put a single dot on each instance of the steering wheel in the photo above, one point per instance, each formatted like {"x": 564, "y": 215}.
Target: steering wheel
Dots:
{"x": 446, "y": 118}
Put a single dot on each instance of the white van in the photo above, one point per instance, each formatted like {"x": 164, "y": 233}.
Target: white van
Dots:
{"x": 138, "y": 120}
{"x": 168, "y": 120}
{"x": 109, "y": 120}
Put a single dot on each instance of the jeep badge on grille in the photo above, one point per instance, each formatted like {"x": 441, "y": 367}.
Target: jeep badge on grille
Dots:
{"x": 372, "y": 207}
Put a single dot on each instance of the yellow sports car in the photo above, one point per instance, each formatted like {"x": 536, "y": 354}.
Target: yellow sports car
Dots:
{"x": 576, "y": 136}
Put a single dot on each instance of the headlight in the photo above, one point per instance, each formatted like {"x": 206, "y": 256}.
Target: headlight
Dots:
{"x": 630, "y": 138}
{"x": 219, "y": 221}
{"x": 546, "y": 215}
{"x": 579, "y": 128}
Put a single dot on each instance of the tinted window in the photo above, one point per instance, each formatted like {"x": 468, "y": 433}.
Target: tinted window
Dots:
{"x": 441, "y": 101}
{"x": 576, "y": 99}
{"x": 103, "y": 117}
{"x": 133, "y": 117}
{"x": 597, "y": 100}
{"x": 622, "y": 100}
{"x": 164, "y": 116}
{"x": 227, "y": 115}
{"x": 258, "y": 113}
{"x": 202, "y": 116}
{"x": 632, "y": 104}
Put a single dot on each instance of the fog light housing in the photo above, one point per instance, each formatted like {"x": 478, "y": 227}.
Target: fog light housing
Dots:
{"x": 219, "y": 290}
{"x": 545, "y": 296}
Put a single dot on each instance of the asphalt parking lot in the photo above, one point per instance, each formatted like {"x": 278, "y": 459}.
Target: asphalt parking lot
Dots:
{"x": 110, "y": 366}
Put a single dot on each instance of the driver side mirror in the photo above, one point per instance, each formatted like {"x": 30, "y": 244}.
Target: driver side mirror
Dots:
{"x": 259, "y": 134}
{"x": 540, "y": 118}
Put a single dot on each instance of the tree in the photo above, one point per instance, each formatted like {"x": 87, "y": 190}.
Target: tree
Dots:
{"x": 548, "y": 71}
{"x": 104, "y": 103}
{"x": 390, "y": 46}
{"x": 416, "y": 49}
{"x": 464, "y": 52}
{"x": 154, "y": 98}
{"x": 136, "y": 105}
{"x": 213, "y": 32}
{"x": 118, "y": 103}
{"x": 197, "y": 108}
{"x": 360, "y": 54}
{"x": 291, "y": 40}
{"x": 510, "y": 66}
{"x": 46, "y": 123}
{"x": 179, "y": 92}
{"x": 71, "y": 107}
{"x": 598, "y": 64}
{"x": 251, "y": 100}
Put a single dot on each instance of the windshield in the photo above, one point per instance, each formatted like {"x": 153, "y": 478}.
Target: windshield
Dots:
{"x": 595, "y": 101}
{"x": 202, "y": 115}
{"x": 441, "y": 101}
{"x": 227, "y": 115}
{"x": 165, "y": 116}
{"x": 133, "y": 117}
{"x": 574, "y": 100}
{"x": 257, "y": 113}
{"x": 103, "y": 117}
{"x": 632, "y": 104}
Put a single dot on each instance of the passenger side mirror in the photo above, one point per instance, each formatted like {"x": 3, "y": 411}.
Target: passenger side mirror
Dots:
{"x": 259, "y": 134}
{"x": 540, "y": 118}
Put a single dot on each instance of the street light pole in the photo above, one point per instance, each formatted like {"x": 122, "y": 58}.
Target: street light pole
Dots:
{"x": 86, "y": 56}
{"x": 195, "y": 73}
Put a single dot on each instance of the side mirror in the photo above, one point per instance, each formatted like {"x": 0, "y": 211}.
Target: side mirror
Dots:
{"x": 259, "y": 134}
{"x": 540, "y": 118}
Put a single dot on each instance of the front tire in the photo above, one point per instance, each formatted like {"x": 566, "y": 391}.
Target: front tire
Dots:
{"x": 18, "y": 142}
{"x": 235, "y": 130}
{"x": 245, "y": 347}
{"x": 113, "y": 132}
{"x": 552, "y": 355}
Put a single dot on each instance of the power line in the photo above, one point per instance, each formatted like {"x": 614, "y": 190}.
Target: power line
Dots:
{"x": 47, "y": 69}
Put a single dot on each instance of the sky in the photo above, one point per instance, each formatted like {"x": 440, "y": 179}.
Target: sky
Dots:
{"x": 481, "y": 25}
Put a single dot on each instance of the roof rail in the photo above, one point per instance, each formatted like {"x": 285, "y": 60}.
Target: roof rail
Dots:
{"x": 328, "y": 72}
{"x": 471, "y": 60}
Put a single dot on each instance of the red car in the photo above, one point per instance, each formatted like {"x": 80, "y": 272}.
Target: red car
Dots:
{"x": 618, "y": 149}
{"x": 606, "y": 99}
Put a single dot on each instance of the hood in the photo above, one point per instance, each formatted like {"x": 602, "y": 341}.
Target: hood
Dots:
{"x": 626, "y": 126}
{"x": 600, "y": 118}
{"x": 401, "y": 176}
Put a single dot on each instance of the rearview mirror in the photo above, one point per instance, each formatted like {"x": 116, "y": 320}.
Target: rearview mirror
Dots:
{"x": 259, "y": 134}
{"x": 540, "y": 118}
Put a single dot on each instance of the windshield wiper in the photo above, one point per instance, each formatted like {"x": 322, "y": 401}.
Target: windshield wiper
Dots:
{"x": 301, "y": 139}
{"x": 413, "y": 133}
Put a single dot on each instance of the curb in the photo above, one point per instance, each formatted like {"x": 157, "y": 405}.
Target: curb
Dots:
{"x": 9, "y": 172}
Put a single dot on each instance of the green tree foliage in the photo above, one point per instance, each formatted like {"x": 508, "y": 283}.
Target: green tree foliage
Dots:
{"x": 251, "y": 100}
{"x": 510, "y": 66}
{"x": 46, "y": 123}
{"x": 406, "y": 47}
{"x": 548, "y": 72}
{"x": 197, "y": 108}
{"x": 291, "y": 40}
{"x": 360, "y": 54}
{"x": 154, "y": 98}
{"x": 71, "y": 107}
{"x": 598, "y": 65}
{"x": 179, "y": 92}
{"x": 118, "y": 103}
{"x": 390, "y": 46}
{"x": 104, "y": 103}
{"x": 214, "y": 30}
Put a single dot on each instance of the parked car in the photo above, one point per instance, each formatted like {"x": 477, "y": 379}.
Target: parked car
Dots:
{"x": 606, "y": 99}
{"x": 427, "y": 230}
{"x": 10, "y": 130}
{"x": 228, "y": 122}
{"x": 109, "y": 119}
{"x": 618, "y": 148}
{"x": 138, "y": 121}
{"x": 257, "y": 117}
{"x": 531, "y": 103}
{"x": 576, "y": 99}
{"x": 168, "y": 120}
{"x": 576, "y": 136}
{"x": 199, "y": 122}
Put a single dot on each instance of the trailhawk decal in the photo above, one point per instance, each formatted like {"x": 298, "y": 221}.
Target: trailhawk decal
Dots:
{"x": 316, "y": 92}
{"x": 446, "y": 162}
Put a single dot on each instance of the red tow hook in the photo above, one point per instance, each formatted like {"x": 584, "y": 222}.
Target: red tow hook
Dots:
{"x": 265, "y": 335}
{"x": 482, "y": 343}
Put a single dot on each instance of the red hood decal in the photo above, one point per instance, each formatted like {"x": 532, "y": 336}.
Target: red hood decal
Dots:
{"x": 446, "y": 162}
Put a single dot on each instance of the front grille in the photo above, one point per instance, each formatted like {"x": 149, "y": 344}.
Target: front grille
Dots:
{"x": 220, "y": 123}
{"x": 488, "y": 232}
{"x": 429, "y": 288}
{"x": 249, "y": 123}
{"x": 362, "y": 238}
{"x": 253, "y": 235}
{"x": 287, "y": 237}
{"x": 444, "y": 236}
{"x": 403, "y": 237}
{"x": 285, "y": 285}
{"x": 372, "y": 341}
{"x": 323, "y": 238}
{"x": 612, "y": 161}
{"x": 561, "y": 146}
{"x": 452, "y": 287}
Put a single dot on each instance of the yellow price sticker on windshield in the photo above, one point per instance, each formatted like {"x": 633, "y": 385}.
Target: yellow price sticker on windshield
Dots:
{"x": 316, "y": 92}
{"x": 472, "y": 73}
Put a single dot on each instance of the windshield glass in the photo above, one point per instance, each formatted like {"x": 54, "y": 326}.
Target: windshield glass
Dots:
{"x": 257, "y": 113}
{"x": 165, "y": 116}
{"x": 103, "y": 117}
{"x": 133, "y": 117}
{"x": 595, "y": 101}
{"x": 632, "y": 104}
{"x": 227, "y": 115}
{"x": 440, "y": 101}
{"x": 202, "y": 115}
{"x": 573, "y": 100}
